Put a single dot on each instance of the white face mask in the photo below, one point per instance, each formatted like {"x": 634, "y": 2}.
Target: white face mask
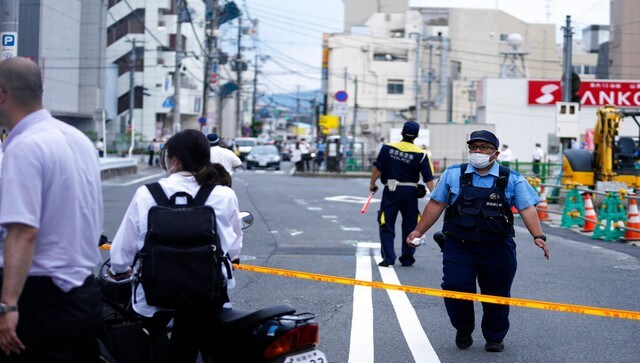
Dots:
{"x": 479, "y": 160}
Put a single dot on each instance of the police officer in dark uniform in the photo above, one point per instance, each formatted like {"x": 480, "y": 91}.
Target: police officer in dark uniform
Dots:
{"x": 479, "y": 231}
{"x": 399, "y": 166}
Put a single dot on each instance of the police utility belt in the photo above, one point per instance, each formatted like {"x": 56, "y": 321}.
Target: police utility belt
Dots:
{"x": 393, "y": 183}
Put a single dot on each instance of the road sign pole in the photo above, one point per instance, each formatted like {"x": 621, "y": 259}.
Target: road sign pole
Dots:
{"x": 9, "y": 28}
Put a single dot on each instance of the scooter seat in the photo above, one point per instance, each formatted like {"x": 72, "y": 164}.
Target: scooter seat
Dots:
{"x": 238, "y": 319}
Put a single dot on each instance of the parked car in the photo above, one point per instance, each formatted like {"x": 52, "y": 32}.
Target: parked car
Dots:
{"x": 263, "y": 156}
{"x": 244, "y": 146}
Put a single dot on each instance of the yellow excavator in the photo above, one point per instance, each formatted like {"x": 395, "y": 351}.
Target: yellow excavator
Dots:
{"x": 614, "y": 159}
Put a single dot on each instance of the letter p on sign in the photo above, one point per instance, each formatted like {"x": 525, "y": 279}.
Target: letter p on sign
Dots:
{"x": 8, "y": 40}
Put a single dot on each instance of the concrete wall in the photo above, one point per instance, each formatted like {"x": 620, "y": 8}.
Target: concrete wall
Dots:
{"x": 625, "y": 37}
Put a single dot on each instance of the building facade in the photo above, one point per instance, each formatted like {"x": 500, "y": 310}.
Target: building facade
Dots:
{"x": 624, "y": 39}
{"x": 67, "y": 39}
{"x": 425, "y": 63}
{"x": 142, "y": 42}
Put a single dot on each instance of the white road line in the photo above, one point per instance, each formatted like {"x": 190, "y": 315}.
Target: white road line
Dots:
{"x": 355, "y": 229}
{"x": 300, "y": 201}
{"x": 314, "y": 208}
{"x": 154, "y": 176}
{"x": 369, "y": 244}
{"x": 361, "y": 342}
{"x": 414, "y": 334}
{"x": 330, "y": 217}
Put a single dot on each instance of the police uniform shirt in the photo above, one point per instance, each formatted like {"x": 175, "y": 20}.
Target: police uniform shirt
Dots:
{"x": 404, "y": 162}
{"x": 519, "y": 192}
{"x": 132, "y": 231}
{"x": 51, "y": 181}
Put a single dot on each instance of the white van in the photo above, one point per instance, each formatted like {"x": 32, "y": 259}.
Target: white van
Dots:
{"x": 244, "y": 145}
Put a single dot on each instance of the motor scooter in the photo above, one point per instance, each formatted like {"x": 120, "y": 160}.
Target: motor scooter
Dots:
{"x": 275, "y": 334}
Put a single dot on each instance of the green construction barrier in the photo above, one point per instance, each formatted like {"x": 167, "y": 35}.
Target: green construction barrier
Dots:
{"x": 611, "y": 214}
{"x": 573, "y": 211}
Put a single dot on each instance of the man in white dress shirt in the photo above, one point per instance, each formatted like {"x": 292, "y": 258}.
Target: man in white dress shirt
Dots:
{"x": 51, "y": 205}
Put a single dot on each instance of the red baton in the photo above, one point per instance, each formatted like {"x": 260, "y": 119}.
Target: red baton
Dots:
{"x": 366, "y": 204}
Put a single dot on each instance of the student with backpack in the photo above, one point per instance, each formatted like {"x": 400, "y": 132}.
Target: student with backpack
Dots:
{"x": 177, "y": 238}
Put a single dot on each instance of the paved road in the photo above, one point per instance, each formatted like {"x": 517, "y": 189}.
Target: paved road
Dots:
{"x": 314, "y": 225}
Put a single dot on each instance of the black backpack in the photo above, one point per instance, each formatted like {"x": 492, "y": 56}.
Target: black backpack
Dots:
{"x": 181, "y": 260}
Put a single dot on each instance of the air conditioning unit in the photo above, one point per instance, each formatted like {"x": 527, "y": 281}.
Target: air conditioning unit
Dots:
{"x": 365, "y": 128}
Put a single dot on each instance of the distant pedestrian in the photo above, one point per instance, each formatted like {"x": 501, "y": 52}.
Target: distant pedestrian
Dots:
{"x": 100, "y": 147}
{"x": 320, "y": 154}
{"x": 296, "y": 156}
{"x": 151, "y": 148}
{"x": 505, "y": 155}
{"x": 399, "y": 166}
{"x": 538, "y": 157}
{"x": 306, "y": 155}
{"x": 225, "y": 157}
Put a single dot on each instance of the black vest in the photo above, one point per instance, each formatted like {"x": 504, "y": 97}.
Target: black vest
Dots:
{"x": 480, "y": 214}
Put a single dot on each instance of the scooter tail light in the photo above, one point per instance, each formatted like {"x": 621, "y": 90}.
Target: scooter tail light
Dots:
{"x": 294, "y": 339}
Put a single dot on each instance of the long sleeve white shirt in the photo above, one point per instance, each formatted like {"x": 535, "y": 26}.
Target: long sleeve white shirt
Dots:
{"x": 130, "y": 236}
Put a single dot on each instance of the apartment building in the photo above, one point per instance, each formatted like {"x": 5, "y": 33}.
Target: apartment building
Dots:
{"x": 142, "y": 43}
{"x": 424, "y": 63}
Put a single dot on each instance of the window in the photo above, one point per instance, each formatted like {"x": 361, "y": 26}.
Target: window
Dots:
{"x": 395, "y": 86}
{"x": 504, "y": 37}
{"x": 397, "y": 33}
{"x": 383, "y": 56}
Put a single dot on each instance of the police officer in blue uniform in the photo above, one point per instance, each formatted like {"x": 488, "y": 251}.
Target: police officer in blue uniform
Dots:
{"x": 479, "y": 231}
{"x": 399, "y": 166}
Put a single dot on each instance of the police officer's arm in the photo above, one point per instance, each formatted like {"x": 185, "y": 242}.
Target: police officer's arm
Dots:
{"x": 430, "y": 215}
{"x": 431, "y": 185}
{"x": 374, "y": 177}
{"x": 530, "y": 218}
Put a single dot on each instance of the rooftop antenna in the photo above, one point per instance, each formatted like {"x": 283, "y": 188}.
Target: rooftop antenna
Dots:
{"x": 510, "y": 59}
{"x": 548, "y": 6}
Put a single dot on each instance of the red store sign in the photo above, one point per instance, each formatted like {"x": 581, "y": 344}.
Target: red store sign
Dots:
{"x": 592, "y": 93}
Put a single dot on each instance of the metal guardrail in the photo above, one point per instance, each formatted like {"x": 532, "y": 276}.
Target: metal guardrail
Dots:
{"x": 117, "y": 163}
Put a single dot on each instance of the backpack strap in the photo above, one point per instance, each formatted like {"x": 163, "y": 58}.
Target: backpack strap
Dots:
{"x": 158, "y": 194}
{"x": 203, "y": 194}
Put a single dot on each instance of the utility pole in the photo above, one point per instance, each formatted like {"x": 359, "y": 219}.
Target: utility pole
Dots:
{"x": 429, "y": 81}
{"x": 297, "y": 111}
{"x": 210, "y": 61}
{"x": 239, "y": 65}
{"x": 568, "y": 72}
{"x": 255, "y": 90}
{"x": 132, "y": 73}
{"x": 177, "y": 84}
{"x": 355, "y": 113}
{"x": 9, "y": 28}
{"x": 417, "y": 85}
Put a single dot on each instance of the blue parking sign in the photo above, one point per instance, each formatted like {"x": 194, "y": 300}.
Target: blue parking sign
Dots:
{"x": 8, "y": 40}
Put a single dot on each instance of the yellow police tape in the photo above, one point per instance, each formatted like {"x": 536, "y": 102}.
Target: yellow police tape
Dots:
{"x": 524, "y": 303}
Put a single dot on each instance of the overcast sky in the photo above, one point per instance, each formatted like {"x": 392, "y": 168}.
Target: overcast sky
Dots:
{"x": 290, "y": 31}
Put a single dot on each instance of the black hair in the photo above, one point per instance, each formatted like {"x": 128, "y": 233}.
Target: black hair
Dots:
{"x": 408, "y": 138}
{"x": 192, "y": 148}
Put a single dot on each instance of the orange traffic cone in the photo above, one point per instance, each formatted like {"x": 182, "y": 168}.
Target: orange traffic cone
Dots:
{"x": 542, "y": 207}
{"x": 590, "y": 218}
{"x": 633, "y": 222}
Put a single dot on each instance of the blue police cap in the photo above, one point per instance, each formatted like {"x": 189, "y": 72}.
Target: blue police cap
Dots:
{"x": 411, "y": 128}
{"x": 484, "y": 135}
{"x": 213, "y": 139}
